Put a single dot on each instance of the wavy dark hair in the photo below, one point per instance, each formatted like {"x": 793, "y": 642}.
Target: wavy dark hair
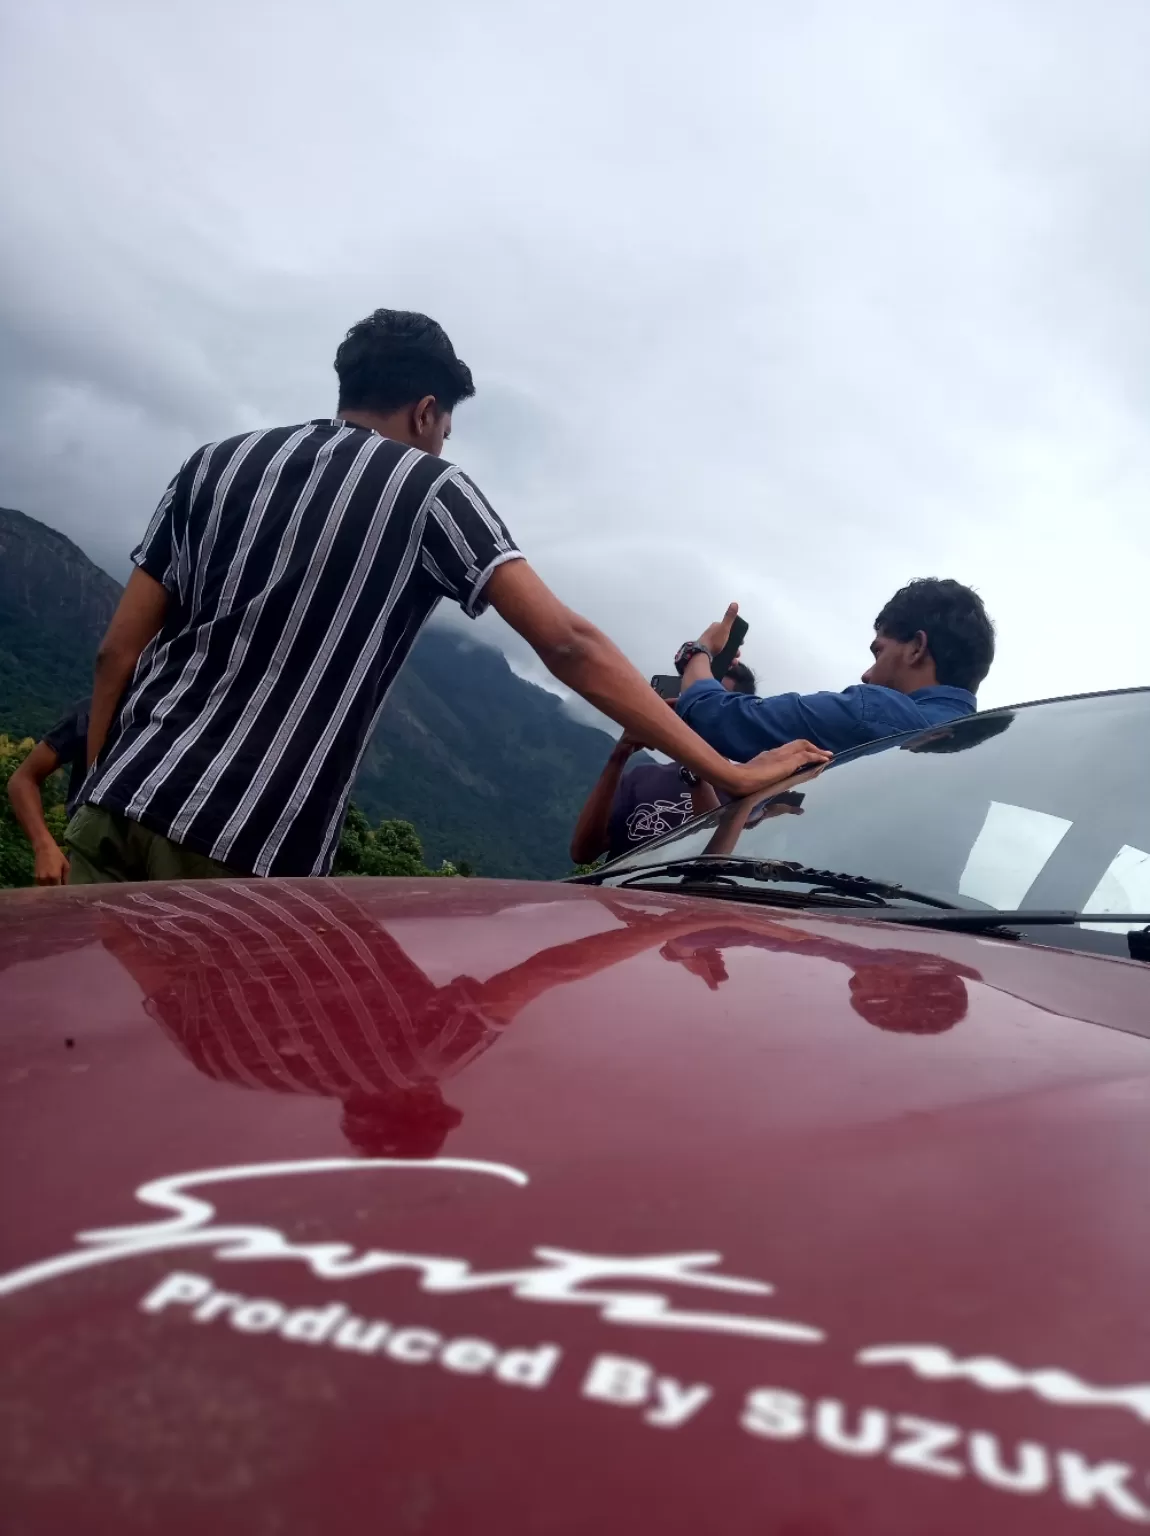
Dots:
{"x": 396, "y": 357}
{"x": 742, "y": 677}
{"x": 958, "y": 629}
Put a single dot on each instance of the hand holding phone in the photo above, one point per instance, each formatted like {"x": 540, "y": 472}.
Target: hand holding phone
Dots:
{"x": 722, "y": 662}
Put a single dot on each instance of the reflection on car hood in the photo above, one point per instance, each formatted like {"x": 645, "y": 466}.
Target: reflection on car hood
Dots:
{"x": 601, "y": 1169}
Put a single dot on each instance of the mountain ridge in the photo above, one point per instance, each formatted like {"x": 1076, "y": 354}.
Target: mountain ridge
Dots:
{"x": 55, "y": 604}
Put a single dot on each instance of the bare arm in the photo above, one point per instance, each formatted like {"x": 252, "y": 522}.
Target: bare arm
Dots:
{"x": 28, "y": 808}
{"x": 703, "y": 799}
{"x": 508, "y": 992}
{"x": 136, "y": 621}
{"x": 591, "y": 836}
{"x": 580, "y": 655}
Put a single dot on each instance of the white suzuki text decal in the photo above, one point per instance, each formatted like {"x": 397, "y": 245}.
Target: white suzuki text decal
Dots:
{"x": 559, "y": 1276}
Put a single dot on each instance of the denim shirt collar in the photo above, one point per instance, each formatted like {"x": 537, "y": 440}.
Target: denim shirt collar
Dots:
{"x": 945, "y": 691}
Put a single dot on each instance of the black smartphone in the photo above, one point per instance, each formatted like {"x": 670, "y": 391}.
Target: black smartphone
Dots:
{"x": 722, "y": 662}
{"x": 668, "y": 688}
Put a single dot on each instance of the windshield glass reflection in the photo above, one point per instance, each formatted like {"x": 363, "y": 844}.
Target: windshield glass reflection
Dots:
{"x": 1041, "y": 807}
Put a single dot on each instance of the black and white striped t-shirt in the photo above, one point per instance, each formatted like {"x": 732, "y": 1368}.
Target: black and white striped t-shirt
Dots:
{"x": 302, "y": 563}
{"x": 297, "y": 989}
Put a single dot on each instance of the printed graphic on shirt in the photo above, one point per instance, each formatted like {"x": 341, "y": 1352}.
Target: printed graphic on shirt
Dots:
{"x": 651, "y": 799}
{"x": 654, "y": 817}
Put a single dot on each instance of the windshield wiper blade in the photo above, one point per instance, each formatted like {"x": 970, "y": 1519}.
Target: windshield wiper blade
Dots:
{"x": 702, "y": 867}
{"x": 729, "y": 871}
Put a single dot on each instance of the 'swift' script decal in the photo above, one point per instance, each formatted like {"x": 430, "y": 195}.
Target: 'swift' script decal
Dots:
{"x": 560, "y": 1275}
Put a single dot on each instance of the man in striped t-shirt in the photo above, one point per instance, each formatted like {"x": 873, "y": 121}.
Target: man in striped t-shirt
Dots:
{"x": 278, "y": 588}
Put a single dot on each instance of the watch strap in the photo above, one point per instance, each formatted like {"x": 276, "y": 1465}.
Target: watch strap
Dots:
{"x": 685, "y": 652}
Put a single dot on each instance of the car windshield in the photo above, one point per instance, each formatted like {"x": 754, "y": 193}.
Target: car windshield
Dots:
{"x": 1041, "y": 807}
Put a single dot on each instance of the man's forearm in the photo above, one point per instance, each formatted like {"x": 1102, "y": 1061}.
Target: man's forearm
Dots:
{"x": 135, "y": 623}
{"x": 591, "y": 836}
{"x": 28, "y": 808}
{"x": 697, "y": 670}
{"x": 113, "y": 674}
{"x": 703, "y": 799}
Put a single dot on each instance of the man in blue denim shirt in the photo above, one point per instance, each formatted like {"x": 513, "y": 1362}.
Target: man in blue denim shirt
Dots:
{"x": 933, "y": 646}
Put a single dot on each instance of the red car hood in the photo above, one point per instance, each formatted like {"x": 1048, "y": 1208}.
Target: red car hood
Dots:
{"x": 454, "y": 1206}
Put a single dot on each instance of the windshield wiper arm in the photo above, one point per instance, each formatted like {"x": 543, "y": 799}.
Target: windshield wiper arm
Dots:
{"x": 876, "y": 897}
{"x": 729, "y": 871}
{"x": 990, "y": 917}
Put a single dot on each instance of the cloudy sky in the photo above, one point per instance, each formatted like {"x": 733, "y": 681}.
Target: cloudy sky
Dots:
{"x": 771, "y": 302}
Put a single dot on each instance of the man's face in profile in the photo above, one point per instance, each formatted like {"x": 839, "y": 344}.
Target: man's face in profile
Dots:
{"x": 888, "y": 668}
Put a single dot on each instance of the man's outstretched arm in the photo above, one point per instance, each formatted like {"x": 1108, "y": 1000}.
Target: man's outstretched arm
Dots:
{"x": 137, "y": 620}
{"x": 26, "y": 794}
{"x": 581, "y": 656}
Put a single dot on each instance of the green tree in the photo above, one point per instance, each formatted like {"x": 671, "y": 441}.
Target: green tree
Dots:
{"x": 391, "y": 848}
{"x": 16, "y": 862}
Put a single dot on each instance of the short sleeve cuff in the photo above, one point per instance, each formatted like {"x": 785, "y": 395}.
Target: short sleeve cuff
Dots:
{"x": 478, "y": 601}
{"x": 153, "y": 564}
{"x": 697, "y": 691}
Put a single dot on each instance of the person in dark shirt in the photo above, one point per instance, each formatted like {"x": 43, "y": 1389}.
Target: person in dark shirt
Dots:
{"x": 932, "y": 647}
{"x": 65, "y": 745}
{"x": 631, "y": 805}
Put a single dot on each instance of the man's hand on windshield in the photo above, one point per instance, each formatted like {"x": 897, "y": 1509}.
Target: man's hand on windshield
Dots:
{"x": 771, "y": 768}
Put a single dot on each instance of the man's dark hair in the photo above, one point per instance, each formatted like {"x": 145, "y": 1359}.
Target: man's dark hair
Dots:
{"x": 958, "y": 629}
{"x": 742, "y": 677}
{"x": 931, "y": 999}
{"x": 396, "y": 357}
{"x": 398, "y": 1123}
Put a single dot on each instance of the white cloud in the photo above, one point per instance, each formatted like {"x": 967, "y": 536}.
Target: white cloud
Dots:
{"x": 775, "y": 303}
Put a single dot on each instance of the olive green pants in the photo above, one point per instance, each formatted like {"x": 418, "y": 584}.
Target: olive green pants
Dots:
{"x": 104, "y": 846}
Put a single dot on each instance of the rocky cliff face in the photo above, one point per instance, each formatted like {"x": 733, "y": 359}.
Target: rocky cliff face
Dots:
{"x": 50, "y": 578}
{"x": 54, "y": 607}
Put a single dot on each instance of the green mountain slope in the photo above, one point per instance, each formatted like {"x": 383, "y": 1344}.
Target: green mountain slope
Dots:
{"x": 54, "y": 607}
{"x": 488, "y": 767}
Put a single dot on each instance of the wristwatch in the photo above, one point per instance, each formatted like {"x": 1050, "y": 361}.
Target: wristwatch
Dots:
{"x": 685, "y": 652}
{"x": 690, "y": 779}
